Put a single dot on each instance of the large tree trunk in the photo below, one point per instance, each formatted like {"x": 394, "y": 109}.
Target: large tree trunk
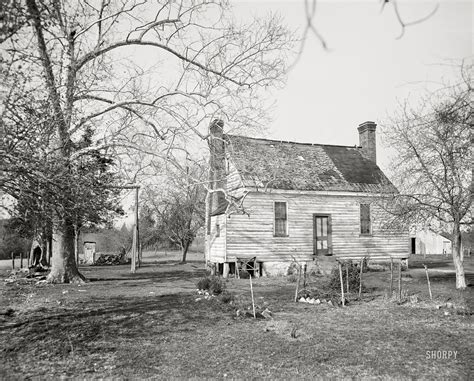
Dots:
{"x": 63, "y": 263}
{"x": 184, "y": 251}
{"x": 457, "y": 259}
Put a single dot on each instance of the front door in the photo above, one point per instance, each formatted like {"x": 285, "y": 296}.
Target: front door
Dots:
{"x": 322, "y": 235}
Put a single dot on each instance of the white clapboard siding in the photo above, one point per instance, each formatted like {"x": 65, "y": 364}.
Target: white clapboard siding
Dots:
{"x": 218, "y": 241}
{"x": 248, "y": 236}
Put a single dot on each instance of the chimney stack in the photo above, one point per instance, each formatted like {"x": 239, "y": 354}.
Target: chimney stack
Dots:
{"x": 367, "y": 140}
{"x": 217, "y": 162}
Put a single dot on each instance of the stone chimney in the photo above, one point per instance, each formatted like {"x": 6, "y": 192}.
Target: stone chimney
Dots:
{"x": 217, "y": 174}
{"x": 367, "y": 140}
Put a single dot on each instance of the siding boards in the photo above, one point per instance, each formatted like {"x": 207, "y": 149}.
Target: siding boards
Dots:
{"x": 253, "y": 236}
{"x": 218, "y": 241}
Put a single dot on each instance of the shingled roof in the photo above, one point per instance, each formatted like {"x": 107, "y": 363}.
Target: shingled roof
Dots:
{"x": 264, "y": 163}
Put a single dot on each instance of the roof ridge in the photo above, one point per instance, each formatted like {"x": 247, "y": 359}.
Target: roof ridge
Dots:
{"x": 292, "y": 142}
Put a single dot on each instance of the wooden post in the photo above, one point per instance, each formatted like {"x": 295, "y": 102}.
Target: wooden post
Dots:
{"x": 360, "y": 276}
{"x": 251, "y": 293}
{"x": 304, "y": 276}
{"x": 400, "y": 281}
{"x": 134, "y": 252}
{"x": 28, "y": 258}
{"x": 13, "y": 261}
{"x": 21, "y": 260}
{"x": 428, "y": 279}
{"x": 342, "y": 285}
{"x": 391, "y": 277}
{"x": 137, "y": 242}
{"x": 347, "y": 277}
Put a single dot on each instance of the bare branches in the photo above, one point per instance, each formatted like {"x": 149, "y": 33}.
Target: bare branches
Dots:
{"x": 402, "y": 22}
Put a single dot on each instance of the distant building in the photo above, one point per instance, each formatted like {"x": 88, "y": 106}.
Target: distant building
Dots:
{"x": 426, "y": 242}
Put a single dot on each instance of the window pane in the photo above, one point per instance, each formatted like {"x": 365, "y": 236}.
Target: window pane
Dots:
{"x": 325, "y": 227}
{"x": 280, "y": 210}
{"x": 280, "y": 227}
{"x": 365, "y": 218}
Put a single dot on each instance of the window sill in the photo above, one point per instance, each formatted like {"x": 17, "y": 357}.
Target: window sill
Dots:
{"x": 365, "y": 235}
{"x": 281, "y": 235}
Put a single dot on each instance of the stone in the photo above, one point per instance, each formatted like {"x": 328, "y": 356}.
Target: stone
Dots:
{"x": 317, "y": 301}
{"x": 311, "y": 301}
{"x": 449, "y": 305}
{"x": 302, "y": 300}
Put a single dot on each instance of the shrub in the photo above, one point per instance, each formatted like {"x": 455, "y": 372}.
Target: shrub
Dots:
{"x": 213, "y": 284}
{"x": 354, "y": 278}
{"x": 226, "y": 297}
{"x": 203, "y": 283}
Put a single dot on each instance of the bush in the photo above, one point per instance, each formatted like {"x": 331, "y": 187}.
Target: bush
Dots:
{"x": 203, "y": 283}
{"x": 226, "y": 297}
{"x": 354, "y": 278}
{"x": 213, "y": 284}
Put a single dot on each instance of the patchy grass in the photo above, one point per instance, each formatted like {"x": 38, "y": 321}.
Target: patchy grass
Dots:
{"x": 149, "y": 324}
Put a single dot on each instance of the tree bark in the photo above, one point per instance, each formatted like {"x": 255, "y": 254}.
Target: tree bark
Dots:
{"x": 63, "y": 262}
{"x": 457, "y": 260}
{"x": 184, "y": 251}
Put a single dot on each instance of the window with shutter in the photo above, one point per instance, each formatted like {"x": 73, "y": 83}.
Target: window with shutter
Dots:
{"x": 365, "y": 219}
{"x": 280, "y": 219}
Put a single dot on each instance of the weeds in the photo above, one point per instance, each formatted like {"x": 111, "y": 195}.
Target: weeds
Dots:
{"x": 213, "y": 284}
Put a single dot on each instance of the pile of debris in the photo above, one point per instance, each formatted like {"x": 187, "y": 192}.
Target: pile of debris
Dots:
{"x": 111, "y": 259}
{"x": 316, "y": 301}
{"x": 27, "y": 275}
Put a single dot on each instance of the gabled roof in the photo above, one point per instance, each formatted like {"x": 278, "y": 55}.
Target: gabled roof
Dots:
{"x": 264, "y": 163}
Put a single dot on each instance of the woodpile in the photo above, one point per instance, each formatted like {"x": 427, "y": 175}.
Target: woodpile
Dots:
{"x": 110, "y": 259}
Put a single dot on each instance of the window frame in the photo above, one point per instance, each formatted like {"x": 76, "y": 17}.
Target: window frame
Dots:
{"x": 286, "y": 233}
{"x": 369, "y": 221}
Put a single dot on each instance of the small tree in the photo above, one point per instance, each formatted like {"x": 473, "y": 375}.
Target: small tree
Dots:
{"x": 433, "y": 165}
{"x": 178, "y": 212}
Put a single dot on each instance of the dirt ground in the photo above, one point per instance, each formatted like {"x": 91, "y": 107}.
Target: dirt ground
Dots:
{"x": 153, "y": 324}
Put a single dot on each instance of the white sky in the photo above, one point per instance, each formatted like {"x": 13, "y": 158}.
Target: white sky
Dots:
{"x": 329, "y": 93}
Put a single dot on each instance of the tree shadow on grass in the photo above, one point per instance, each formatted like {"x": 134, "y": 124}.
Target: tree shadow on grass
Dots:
{"x": 155, "y": 277}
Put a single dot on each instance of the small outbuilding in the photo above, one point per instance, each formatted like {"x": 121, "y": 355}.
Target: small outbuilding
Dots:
{"x": 427, "y": 242}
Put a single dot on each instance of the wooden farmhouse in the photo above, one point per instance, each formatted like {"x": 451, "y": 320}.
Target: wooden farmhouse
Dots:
{"x": 281, "y": 202}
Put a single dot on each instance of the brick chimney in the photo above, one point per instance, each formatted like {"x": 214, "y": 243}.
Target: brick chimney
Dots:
{"x": 367, "y": 140}
{"x": 217, "y": 174}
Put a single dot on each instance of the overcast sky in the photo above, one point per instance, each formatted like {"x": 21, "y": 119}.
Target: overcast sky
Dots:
{"x": 366, "y": 68}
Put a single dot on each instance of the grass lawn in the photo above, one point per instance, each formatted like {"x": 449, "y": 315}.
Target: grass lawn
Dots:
{"x": 151, "y": 325}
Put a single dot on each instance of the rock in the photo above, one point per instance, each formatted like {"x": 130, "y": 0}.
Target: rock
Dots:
{"x": 446, "y": 313}
{"x": 317, "y": 301}
{"x": 302, "y": 300}
{"x": 330, "y": 304}
{"x": 197, "y": 299}
{"x": 267, "y": 314}
{"x": 311, "y": 301}
{"x": 449, "y": 305}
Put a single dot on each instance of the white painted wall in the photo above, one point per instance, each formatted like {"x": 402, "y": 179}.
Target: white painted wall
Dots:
{"x": 429, "y": 242}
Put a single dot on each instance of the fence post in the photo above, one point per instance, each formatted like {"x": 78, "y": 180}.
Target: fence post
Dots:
{"x": 13, "y": 261}
{"x": 21, "y": 260}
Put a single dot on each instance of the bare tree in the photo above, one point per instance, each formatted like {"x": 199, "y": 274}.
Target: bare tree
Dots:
{"x": 84, "y": 62}
{"x": 433, "y": 165}
{"x": 177, "y": 211}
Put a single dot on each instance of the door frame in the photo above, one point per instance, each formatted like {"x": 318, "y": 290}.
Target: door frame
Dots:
{"x": 329, "y": 232}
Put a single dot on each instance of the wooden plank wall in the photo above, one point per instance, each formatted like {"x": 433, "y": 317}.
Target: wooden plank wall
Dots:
{"x": 253, "y": 236}
{"x": 218, "y": 243}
